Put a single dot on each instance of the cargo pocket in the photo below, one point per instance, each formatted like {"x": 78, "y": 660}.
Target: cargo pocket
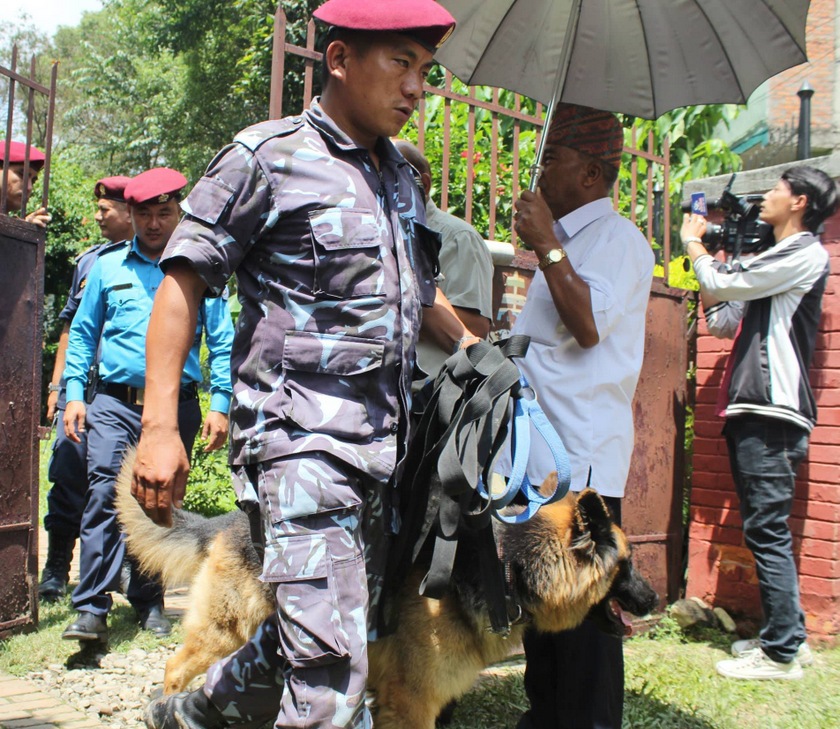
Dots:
{"x": 331, "y": 384}
{"x": 347, "y": 253}
{"x": 309, "y": 600}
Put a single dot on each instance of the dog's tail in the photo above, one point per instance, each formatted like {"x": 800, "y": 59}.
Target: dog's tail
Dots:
{"x": 171, "y": 553}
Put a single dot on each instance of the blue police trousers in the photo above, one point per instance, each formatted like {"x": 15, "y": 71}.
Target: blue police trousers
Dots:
{"x": 112, "y": 426}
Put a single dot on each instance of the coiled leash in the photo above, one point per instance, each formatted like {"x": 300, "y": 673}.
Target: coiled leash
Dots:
{"x": 476, "y": 396}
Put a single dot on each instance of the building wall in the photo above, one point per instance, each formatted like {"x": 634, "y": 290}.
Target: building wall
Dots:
{"x": 721, "y": 569}
{"x": 820, "y": 71}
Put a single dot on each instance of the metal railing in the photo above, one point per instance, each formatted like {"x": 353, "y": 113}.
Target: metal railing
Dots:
{"x": 31, "y": 88}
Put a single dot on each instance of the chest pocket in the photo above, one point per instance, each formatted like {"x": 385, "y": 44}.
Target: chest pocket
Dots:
{"x": 127, "y": 305}
{"x": 347, "y": 249}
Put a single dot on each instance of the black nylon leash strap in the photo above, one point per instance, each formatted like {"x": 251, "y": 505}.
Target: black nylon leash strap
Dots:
{"x": 450, "y": 453}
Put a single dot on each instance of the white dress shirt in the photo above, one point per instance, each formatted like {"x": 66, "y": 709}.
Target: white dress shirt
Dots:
{"x": 587, "y": 394}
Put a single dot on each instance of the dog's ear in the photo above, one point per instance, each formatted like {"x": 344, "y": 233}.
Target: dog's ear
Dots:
{"x": 593, "y": 521}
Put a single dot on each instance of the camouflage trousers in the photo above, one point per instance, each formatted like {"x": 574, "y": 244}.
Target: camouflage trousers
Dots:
{"x": 307, "y": 664}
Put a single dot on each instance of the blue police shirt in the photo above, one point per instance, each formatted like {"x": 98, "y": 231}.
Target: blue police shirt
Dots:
{"x": 84, "y": 262}
{"x": 115, "y": 310}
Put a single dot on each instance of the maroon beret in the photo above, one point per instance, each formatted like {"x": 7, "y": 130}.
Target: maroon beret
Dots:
{"x": 17, "y": 154}
{"x": 591, "y": 131}
{"x": 111, "y": 188}
{"x": 426, "y": 21}
{"x": 158, "y": 185}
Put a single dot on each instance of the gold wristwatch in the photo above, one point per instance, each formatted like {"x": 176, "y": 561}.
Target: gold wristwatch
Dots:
{"x": 555, "y": 255}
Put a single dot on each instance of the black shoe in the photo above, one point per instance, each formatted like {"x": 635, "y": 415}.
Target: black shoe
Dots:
{"x": 53, "y": 585}
{"x": 153, "y": 620}
{"x": 187, "y": 710}
{"x": 87, "y": 627}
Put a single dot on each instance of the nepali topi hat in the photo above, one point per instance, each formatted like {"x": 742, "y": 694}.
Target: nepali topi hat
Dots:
{"x": 591, "y": 131}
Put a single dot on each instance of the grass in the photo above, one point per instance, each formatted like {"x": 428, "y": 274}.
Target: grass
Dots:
{"x": 671, "y": 681}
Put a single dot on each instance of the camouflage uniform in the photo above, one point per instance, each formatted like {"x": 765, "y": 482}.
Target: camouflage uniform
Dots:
{"x": 333, "y": 263}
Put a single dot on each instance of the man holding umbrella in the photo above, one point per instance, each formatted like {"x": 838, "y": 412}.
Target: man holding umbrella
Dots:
{"x": 585, "y": 313}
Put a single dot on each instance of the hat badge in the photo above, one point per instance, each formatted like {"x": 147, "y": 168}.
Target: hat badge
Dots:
{"x": 100, "y": 190}
{"x": 163, "y": 198}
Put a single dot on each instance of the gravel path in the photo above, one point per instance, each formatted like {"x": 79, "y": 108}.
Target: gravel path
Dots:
{"x": 115, "y": 686}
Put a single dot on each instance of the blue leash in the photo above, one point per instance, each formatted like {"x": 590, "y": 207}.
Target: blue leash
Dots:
{"x": 527, "y": 411}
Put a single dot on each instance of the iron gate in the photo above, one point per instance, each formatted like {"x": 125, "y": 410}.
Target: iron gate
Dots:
{"x": 22, "y": 248}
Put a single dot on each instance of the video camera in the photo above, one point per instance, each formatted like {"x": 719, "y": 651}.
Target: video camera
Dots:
{"x": 741, "y": 231}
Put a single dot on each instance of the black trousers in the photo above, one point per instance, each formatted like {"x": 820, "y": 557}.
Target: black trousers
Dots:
{"x": 574, "y": 679}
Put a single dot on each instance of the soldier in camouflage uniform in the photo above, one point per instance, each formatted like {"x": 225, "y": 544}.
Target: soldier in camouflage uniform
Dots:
{"x": 320, "y": 219}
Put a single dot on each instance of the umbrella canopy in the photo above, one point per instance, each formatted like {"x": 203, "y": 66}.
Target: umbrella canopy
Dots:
{"x": 639, "y": 57}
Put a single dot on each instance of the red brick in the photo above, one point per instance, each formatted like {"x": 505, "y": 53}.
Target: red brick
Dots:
{"x": 826, "y": 492}
{"x": 719, "y": 517}
{"x": 819, "y": 568}
{"x": 713, "y": 446}
{"x": 821, "y": 453}
{"x": 818, "y": 548}
{"x": 709, "y": 343}
{"x": 826, "y": 435}
{"x": 826, "y": 358}
{"x": 714, "y": 464}
{"x": 711, "y": 480}
{"x": 824, "y": 473}
{"x": 712, "y": 534}
{"x": 821, "y": 511}
{"x": 828, "y": 416}
{"x": 713, "y": 497}
{"x": 819, "y": 586}
{"x": 819, "y": 530}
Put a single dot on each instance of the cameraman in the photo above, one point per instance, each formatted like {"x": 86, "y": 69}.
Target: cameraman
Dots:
{"x": 771, "y": 305}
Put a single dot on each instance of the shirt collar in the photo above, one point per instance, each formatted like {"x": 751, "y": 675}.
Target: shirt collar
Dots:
{"x": 135, "y": 250}
{"x": 318, "y": 118}
{"x": 575, "y": 221}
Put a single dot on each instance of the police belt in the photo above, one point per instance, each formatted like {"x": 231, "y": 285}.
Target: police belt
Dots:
{"x": 136, "y": 395}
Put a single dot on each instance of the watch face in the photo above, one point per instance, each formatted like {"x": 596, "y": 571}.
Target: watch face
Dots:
{"x": 554, "y": 255}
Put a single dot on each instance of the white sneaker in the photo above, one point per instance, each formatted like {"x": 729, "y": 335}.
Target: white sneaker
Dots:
{"x": 803, "y": 655}
{"x": 756, "y": 664}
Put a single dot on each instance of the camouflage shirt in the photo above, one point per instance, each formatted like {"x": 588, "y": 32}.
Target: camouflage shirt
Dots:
{"x": 333, "y": 262}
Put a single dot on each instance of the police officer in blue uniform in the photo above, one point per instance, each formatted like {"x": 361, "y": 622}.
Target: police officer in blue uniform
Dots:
{"x": 68, "y": 463}
{"x": 112, "y": 319}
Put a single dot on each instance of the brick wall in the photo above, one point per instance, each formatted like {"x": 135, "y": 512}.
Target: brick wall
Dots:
{"x": 783, "y": 106}
{"x": 720, "y": 568}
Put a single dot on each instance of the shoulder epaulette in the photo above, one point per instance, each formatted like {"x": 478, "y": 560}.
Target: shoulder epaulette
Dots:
{"x": 87, "y": 252}
{"x": 258, "y": 134}
{"x": 112, "y": 246}
{"x": 100, "y": 248}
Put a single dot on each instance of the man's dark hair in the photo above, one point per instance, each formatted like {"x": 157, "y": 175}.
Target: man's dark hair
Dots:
{"x": 820, "y": 190}
{"x": 357, "y": 38}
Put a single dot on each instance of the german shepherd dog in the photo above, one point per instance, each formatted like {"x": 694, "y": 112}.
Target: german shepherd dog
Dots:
{"x": 569, "y": 561}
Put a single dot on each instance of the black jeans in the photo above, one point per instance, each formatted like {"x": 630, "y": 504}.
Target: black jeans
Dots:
{"x": 764, "y": 454}
{"x": 575, "y": 679}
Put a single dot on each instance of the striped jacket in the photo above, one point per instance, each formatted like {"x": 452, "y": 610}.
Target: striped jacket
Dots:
{"x": 776, "y": 298}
